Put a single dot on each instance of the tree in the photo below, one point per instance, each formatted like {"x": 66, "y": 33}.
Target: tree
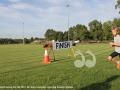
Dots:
{"x": 79, "y": 32}
{"x": 59, "y": 36}
{"x": 95, "y": 29}
{"x": 65, "y": 36}
{"x": 50, "y": 34}
{"x": 84, "y": 34}
{"x": 116, "y": 22}
{"x": 71, "y": 33}
{"x": 31, "y": 40}
{"x": 117, "y": 5}
{"x": 107, "y": 34}
{"x": 26, "y": 41}
{"x": 36, "y": 38}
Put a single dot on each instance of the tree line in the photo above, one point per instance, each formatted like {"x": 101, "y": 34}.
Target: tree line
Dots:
{"x": 97, "y": 31}
{"x": 19, "y": 41}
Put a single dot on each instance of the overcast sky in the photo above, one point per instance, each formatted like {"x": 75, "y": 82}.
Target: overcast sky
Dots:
{"x": 40, "y": 15}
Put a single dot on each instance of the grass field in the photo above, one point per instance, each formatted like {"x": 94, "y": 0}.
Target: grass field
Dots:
{"x": 21, "y": 65}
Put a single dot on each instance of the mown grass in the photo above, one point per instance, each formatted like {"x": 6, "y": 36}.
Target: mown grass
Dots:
{"x": 21, "y": 65}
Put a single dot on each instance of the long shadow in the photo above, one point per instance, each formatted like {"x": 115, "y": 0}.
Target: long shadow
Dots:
{"x": 101, "y": 85}
{"x": 56, "y": 60}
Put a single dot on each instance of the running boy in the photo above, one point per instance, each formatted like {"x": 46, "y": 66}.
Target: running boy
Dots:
{"x": 116, "y": 44}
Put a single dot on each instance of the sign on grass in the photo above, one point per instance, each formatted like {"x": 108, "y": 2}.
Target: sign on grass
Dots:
{"x": 62, "y": 45}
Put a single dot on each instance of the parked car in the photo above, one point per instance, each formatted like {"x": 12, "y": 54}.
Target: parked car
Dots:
{"x": 77, "y": 41}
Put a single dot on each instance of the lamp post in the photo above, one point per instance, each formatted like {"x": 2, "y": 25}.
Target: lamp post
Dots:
{"x": 68, "y": 22}
{"x": 23, "y": 33}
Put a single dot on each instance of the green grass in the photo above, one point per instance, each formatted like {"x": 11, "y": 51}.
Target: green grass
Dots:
{"x": 21, "y": 65}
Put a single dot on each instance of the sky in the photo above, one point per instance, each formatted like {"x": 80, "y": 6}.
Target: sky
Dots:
{"x": 40, "y": 15}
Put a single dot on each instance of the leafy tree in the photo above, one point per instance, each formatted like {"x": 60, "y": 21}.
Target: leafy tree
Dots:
{"x": 65, "y": 36}
{"x": 116, "y": 22}
{"x": 50, "y": 34}
{"x": 60, "y": 36}
{"x": 71, "y": 33}
{"x": 107, "y": 34}
{"x": 26, "y": 41}
{"x": 95, "y": 29}
{"x": 36, "y": 38}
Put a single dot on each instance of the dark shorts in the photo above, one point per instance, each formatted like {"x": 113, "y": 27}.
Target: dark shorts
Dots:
{"x": 114, "y": 54}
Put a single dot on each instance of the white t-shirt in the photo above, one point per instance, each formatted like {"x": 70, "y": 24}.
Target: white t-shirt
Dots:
{"x": 117, "y": 40}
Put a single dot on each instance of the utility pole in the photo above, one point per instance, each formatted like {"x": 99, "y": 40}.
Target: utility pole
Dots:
{"x": 68, "y": 22}
{"x": 23, "y": 33}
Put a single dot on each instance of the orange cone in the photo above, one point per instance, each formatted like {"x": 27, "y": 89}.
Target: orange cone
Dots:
{"x": 118, "y": 66}
{"x": 46, "y": 57}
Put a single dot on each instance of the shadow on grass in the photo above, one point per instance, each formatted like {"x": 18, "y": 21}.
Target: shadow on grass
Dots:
{"x": 57, "y": 60}
{"x": 101, "y": 85}
{"x": 41, "y": 65}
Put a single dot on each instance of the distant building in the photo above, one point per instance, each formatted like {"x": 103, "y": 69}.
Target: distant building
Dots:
{"x": 38, "y": 41}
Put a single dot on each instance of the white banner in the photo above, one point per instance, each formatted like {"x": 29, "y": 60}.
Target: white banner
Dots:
{"x": 62, "y": 45}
